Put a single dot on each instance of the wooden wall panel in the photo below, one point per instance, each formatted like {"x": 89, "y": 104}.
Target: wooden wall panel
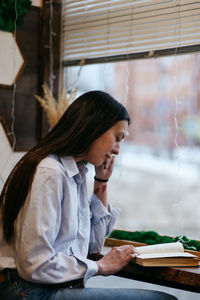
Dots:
{"x": 33, "y": 38}
{"x": 26, "y": 106}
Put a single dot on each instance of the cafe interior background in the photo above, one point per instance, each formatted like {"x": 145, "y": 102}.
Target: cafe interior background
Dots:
{"x": 144, "y": 53}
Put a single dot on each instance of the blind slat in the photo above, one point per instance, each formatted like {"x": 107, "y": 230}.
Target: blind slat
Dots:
{"x": 118, "y": 50}
{"x": 94, "y": 28}
{"x": 128, "y": 11}
{"x": 121, "y": 33}
{"x": 129, "y": 45}
{"x": 133, "y": 24}
{"x": 127, "y": 40}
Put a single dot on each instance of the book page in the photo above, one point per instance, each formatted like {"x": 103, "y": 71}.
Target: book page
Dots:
{"x": 165, "y": 255}
{"x": 161, "y": 248}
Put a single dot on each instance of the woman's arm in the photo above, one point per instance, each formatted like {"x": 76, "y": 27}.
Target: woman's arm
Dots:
{"x": 103, "y": 172}
{"x": 103, "y": 214}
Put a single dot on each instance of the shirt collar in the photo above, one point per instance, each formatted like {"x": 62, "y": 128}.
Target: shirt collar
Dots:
{"x": 72, "y": 168}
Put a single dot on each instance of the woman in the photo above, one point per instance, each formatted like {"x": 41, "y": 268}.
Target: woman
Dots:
{"x": 48, "y": 223}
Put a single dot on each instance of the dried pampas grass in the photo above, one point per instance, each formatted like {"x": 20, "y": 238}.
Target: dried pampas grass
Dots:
{"x": 55, "y": 109}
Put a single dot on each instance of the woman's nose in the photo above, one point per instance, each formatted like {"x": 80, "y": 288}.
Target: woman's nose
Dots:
{"x": 116, "y": 149}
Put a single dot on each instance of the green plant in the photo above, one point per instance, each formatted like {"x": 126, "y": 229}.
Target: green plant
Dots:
{"x": 151, "y": 237}
{"x": 11, "y": 12}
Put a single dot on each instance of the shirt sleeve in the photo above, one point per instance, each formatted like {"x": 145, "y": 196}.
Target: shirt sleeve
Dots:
{"x": 102, "y": 222}
{"x": 39, "y": 255}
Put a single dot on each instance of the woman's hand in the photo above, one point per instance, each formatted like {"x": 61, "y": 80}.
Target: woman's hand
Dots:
{"x": 116, "y": 259}
{"x": 105, "y": 170}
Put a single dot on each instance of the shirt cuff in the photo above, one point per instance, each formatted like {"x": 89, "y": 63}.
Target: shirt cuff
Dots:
{"x": 92, "y": 268}
{"x": 91, "y": 271}
{"x": 114, "y": 214}
{"x": 99, "y": 211}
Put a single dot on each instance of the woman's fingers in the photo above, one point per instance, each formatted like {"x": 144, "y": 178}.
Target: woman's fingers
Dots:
{"x": 116, "y": 259}
{"x": 126, "y": 252}
{"x": 106, "y": 168}
{"x": 110, "y": 163}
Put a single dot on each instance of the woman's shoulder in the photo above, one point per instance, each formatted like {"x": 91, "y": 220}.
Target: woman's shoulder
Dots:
{"x": 60, "y": 165}
{"x": 50, "y": 162}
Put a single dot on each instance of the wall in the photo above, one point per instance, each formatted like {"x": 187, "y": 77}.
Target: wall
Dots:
{"x": 8, "y": 158}
{"x": 26, "y": 111}
{"x": 40, "y": 48}
{"x": 25, "y": 104}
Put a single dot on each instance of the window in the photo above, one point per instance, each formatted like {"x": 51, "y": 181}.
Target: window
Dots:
{"x": 94, "y": 29}
{"x": 155, "y": 185}
{"x": 130, "y": 49}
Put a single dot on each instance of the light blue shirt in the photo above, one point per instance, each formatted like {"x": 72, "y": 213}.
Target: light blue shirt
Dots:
{"x": 58, "y": 226}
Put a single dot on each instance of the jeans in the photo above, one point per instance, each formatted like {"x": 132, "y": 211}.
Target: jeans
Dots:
{"x": 14, "y": 287}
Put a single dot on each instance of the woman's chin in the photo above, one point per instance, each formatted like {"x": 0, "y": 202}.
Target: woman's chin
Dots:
{"x": 99, "y": 164}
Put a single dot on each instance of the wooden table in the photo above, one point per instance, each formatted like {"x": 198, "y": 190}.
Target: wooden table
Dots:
{"x": 180, "y": 278}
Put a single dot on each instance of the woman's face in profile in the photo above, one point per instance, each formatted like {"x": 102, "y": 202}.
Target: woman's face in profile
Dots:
{"x": 107, "y": 144}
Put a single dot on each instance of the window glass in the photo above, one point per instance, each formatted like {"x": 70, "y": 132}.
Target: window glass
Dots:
{"x": 156, "y": 180}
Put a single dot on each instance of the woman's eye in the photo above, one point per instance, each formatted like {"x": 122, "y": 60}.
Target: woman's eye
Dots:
{"x": 119, "y": 137}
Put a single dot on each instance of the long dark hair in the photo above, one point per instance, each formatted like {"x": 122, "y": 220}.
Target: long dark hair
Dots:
{"x": 88, "y": 117}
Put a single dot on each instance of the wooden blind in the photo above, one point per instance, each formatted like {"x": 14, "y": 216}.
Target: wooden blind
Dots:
{"x": 94, "y": 28}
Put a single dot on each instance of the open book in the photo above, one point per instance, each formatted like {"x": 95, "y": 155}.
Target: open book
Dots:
{"x": 163, "y": 255}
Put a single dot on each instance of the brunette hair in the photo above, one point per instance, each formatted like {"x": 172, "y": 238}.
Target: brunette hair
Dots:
{"x": 88, "y": 117}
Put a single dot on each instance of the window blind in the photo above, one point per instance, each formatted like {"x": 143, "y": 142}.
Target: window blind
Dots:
{"x": 94, "y": 28}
